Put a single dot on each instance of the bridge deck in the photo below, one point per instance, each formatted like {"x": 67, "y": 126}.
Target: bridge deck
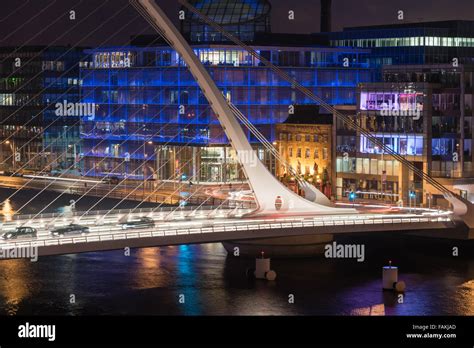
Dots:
{"x": 199, "y": 228}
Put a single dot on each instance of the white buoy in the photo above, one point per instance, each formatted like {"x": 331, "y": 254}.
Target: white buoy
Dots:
{"x": 262, "y": 268}
{"x": 389, "y": 276}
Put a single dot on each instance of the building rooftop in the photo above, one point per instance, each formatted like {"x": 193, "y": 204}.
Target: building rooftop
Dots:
{"x": 260, "y": 39}
{"x": 308, "y": 114}
{"x": 450, "y": 24}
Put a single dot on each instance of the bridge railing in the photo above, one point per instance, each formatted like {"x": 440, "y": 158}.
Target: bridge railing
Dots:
{"x": 105, "y": 234}
{"x": 129, "y": 211}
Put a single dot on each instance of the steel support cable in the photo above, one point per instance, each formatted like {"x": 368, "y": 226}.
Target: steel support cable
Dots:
{"x": 60, "y": 137}
{"x": 46, "y": 88}
{"x": 31, "y": 38}
{"x": 14, "y": 12}
{"x": 160, "y": 31}
{"x": 157, "y": 28}
{"x": 319, "y": 100}
{"x": 180, "y": 186}
{"x": 28, "y": 21}
{"x": 105, "y": 158}
{"x": 144, "y": 163}
{"x": 264, "y": 141}
{"x": 209, "y": 198}
{"x": 119, "y": 164}
{"x": 61, "y": 56}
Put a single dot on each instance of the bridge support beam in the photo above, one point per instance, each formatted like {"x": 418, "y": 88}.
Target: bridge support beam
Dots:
{"x": 272, "y": 197}
{"x": 463, "y": 210}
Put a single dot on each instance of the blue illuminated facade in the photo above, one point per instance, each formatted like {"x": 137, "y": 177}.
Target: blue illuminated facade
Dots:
{"x": 150, "y": 108}
{"x": 61, "y": 83}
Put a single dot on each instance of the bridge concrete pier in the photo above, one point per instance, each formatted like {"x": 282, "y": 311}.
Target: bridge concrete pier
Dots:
{"x": 281, "y": 247}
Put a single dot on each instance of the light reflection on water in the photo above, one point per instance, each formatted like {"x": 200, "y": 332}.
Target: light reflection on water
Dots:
{"x": 465, "y": 297}
{"x": 14, "y": 285}
{"x": 150, "y": 281}
{"x": 7, "y": 210}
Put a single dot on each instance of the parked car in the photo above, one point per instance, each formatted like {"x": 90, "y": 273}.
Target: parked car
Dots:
{"x": 70, "y": 229}
{"x": 144, "y": 222}
{"x": 21, "y": 232}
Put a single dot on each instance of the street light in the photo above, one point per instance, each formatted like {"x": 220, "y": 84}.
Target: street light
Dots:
{"x": 12, "y": 147}
{"x": 74, "y": 153}
{"x": 352, "y": 197}
{"x": 412, "y": 196}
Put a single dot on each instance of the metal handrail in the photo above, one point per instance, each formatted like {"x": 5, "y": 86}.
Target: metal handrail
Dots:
{"x": 269, "y": 224}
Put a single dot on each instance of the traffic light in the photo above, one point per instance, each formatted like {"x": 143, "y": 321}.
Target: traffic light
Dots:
{"x": 412, "y": 194}
{"x": 352, "y": 196}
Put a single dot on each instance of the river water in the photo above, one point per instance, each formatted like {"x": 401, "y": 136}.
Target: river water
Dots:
{"x": 155, "y": 281}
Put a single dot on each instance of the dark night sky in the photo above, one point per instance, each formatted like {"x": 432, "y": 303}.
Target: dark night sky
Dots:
{"x": 345, "y": 13}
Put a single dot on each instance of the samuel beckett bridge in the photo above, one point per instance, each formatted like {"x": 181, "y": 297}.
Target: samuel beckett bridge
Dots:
{"x": 276, "y": 211}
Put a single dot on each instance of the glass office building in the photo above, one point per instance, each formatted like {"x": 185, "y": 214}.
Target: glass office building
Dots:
{"x": 150, "y": 109}
{"x": 32, "y": 81}
{"x": 244, "y": 19}
{"x": 423, "y": 114}
{"x": 412, "y": 43}
{"x": 397, "y": 114}
{"x": 423, "y": 69}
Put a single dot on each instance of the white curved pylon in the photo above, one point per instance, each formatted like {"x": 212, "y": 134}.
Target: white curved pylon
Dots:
{"x": 272, "y": 197}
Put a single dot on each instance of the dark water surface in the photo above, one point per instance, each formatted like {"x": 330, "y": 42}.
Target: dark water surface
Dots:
{"x": 151, "y": 280}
